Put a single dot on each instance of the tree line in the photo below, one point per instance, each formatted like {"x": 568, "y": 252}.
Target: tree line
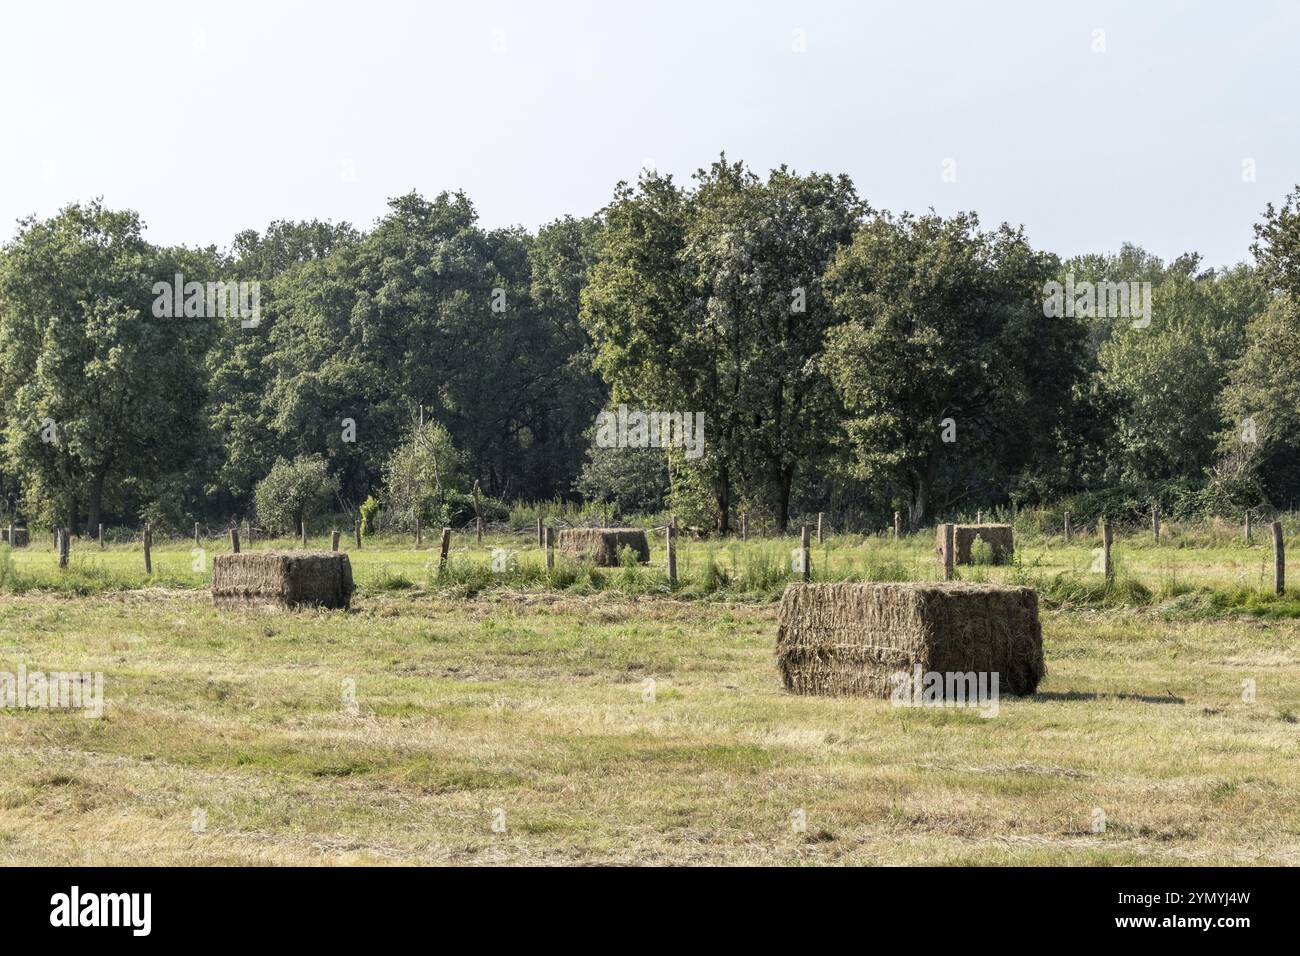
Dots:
{"x": 845, "y": 359}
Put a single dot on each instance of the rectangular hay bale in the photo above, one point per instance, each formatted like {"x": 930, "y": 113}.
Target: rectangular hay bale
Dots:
{"x": 998, "y": 537}
{"x": 602, "y": 545}
{"x": 849, "y": 639}
{"x": 21, "y": 538}
{"x": 283, "y": 579}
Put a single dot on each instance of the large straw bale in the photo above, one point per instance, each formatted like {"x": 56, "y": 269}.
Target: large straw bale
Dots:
{"x": 849, "y": 639}
{"x": 602, "y": 545}
{"x": 282, "y": 579}
{"x": 997, "y": 536}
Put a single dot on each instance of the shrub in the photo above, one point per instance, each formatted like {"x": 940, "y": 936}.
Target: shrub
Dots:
{"x": 291, "y": 491}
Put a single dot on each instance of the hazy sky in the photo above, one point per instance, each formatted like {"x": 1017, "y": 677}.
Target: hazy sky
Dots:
{"x": 213, "y": 117}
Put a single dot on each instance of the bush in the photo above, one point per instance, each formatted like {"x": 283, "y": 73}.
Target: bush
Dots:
{"x": 423, "y": 479}
{"x": 369, "y": 512}
{"x": 291, "y": 491}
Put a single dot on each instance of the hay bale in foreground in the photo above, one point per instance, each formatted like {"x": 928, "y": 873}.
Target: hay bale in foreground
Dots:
{"x": 602, "y": 545}
{"x": 998, "y": 537}
{"x": 283, "y": 579}
{"x": 849, "y": 639}
{"x": 21, "y": 538}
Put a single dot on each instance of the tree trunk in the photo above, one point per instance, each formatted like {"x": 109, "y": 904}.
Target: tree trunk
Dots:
{"x": 918, "y": 511}
{"x": 96, "y": 503}
{"x": 784, "y": 481}
{"x": 923, "y": 485}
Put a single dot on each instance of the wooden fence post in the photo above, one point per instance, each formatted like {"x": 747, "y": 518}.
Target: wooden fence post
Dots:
{"x": 357, "y": 528}
{"x": 550, "y": 548}
{"x": 541, "y": 535}
{"x": 419, "y": 535}
{"x": 898, "y": 525}
{"x": 196, "y": 534}
{"x": 805, "y": 555}
{"x": 670, "y": 542}
{"x": 478, "y": 531}
{"x": 1279, "y": 559}
{"x": 1155, "y": 521}
{"x": 819, "y": 527}
{"x": 744, "y": 526}
{"x": 446, "y": 546}
{"x": 63, "y": 547}
{"x": 1107, "y": 539}
{"x": 334, "y": 541}
{"x": 303, "y": 528}
{"x": 979, "y": 517}
{"x": 234, "y": 540}
{"x": 1067, "y": 527}
{"x": 148, "y": 550}
{"x": 949, "y": 550}
{"x": 10, "y": 539}
{"x": 101, "y": 536}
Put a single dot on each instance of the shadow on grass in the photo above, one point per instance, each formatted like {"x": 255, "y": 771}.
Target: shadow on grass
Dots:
{"x": 1088, "y": 695}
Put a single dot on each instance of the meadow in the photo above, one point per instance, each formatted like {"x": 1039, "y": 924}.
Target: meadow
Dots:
{"x": 583, "y": 716}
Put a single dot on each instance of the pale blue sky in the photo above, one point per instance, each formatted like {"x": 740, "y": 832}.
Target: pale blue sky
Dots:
{"x": 213, "y": 117}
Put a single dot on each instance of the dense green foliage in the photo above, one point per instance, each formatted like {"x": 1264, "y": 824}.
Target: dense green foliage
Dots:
{"x": 844, "y": 359}
{"x": 287, "y": 496}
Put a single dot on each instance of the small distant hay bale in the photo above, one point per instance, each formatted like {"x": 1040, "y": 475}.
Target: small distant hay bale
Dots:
{"x": 282, "y": 579}
{"x": 21, "y": 538}
{"x": 602, "y": 545}
{"x": 849, "y": 639}
{"x": 997, "y": 536}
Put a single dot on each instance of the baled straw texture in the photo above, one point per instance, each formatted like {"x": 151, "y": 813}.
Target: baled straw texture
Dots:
{"x": 286, "y": 579}
{"x": 602, "y": 545}
{"x": 849, "y": 639}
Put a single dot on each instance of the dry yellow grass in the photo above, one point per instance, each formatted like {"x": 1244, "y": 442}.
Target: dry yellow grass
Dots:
{"x": 537, "y": 706}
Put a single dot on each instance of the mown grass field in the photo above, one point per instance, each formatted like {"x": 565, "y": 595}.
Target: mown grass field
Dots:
{"x": 529, "y": 696}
